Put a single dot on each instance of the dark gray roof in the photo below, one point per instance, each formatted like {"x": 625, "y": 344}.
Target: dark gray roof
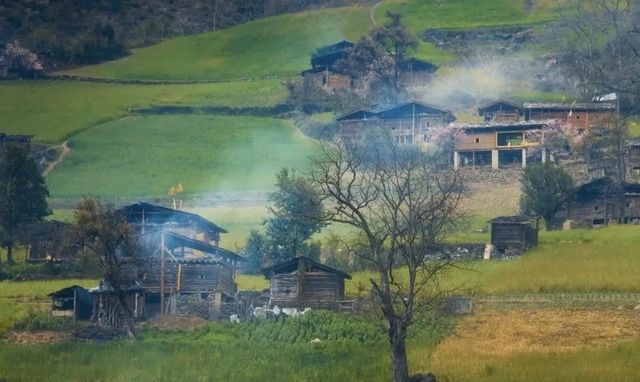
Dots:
{"x": 292, "y": 265}
{"x": 154, "y": 214}
{"x": 514, "y": 219}
{"x": 489, "y": 104}
{"x": 571, "y": 106}
{"x": 504, "y": 125}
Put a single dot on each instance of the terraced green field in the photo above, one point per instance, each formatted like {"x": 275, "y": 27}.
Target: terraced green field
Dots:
{"x": 144, "y": 156}
{"x": 55, "y": 110}
{"x": 464, "y": 14}
{"x": 276, "y": 46}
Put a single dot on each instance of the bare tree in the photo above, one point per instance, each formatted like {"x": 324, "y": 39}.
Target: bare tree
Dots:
{"x": 378, "y": 57}
{"x": 401, "y": 207}
{"x": 607, "y": 147}
{"x": 114, "y": 243}
{"x": 602, "y": 41}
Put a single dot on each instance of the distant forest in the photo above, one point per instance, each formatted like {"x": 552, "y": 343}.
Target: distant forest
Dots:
{"x": 66, "y": 33}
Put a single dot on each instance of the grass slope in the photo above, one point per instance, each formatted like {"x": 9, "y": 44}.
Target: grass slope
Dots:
{"x": 54, "y": 110}
{"x": 144, "y": 156}
{"x": 465, "y": 14}
{"x": 272, "y": 46}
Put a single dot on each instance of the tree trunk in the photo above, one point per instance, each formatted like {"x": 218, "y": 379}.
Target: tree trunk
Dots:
{"x": 10, "y": 253}
{"x": 128, "y": 316}
{"x": 547, "y": 224}
{"x": 398, "y": 353}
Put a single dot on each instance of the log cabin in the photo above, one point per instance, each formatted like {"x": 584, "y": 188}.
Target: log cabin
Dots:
{"x": 579, "y": 115}
{"x": 597, "y": 203}
{"x": 497, "y": 144}
{"x": 302, "y": 282}
{"x": 514, "y": 232}
{"x": 324, "y": 72}
{"x": 407, "y": 123}
{"x": 500, "y": 110}
{"x": 23, "y": 141}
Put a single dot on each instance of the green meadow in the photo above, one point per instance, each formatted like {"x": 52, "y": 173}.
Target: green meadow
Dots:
{"x": 144, "y": 156}
{"x": 465, "y": 14}
{"x": 55, "y": 110}
{"x": 274, "y": 46}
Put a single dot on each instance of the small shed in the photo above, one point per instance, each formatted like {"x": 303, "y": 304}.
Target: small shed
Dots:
{"x": 514, "y": 232}
{"x": 302, "y": 282}
{"x": 107, "y": 309}
{"x": 73, "y": 301}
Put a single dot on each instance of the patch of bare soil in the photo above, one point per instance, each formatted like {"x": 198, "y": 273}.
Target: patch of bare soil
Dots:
{"x": 176, "y": 322}
{"x": 505, "y": 332}
{"x": 98, "y": 333}
{"x": 37, "y": 338}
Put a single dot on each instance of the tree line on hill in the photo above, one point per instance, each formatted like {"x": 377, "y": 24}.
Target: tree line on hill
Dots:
{"x": 69, "y": 33}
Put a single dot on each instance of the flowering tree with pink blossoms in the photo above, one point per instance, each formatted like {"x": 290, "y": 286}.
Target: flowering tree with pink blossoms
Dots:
{"x": 16, "y": 60}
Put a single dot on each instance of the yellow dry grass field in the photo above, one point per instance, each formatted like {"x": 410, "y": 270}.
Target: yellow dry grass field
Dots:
{"x": 494, "y": 334}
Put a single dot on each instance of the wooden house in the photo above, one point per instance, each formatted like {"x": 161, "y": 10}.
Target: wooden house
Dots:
{"x": 496, "y": 144}
{"x": 107, "y": 309}
{"x": 500, "y": 110}
{"x": 634, "y": 159}
{"x": 407, "y": 123}
{"x": 324, "y": 72}
{"x": 147, "y": 217}
{"x": 579, "y": 115}
{"x": 514, "y": 232}
{"x": 45, "y": 241}
{"x": 74, "y": 301}
{"x": 416, "y": 72}
{"x": 302, "y": 282}
{"x": 23, "y": 141}
{"x": 597, "y": 203}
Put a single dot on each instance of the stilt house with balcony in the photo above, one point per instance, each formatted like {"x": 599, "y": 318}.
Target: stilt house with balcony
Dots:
{"x": 407, "y": 123}
{"x": 497, "y": 144}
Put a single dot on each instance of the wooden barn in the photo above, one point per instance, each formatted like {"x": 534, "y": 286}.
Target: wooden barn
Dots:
{"x": 302, "y": 282}
{"x": 324, "y": 72}
{"x": 74, "y": 301}
{"x": 23, "y": 141}
{"x": 500, "y": 110}
{"x": 634, "y": 159}
{"x": 579, "y": 115}
{"x": 45, "y": 241}
{"x": 514, "y": 233}
{"x": 596, "y": 204}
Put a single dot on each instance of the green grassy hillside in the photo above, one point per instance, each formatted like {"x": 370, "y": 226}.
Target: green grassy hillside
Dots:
{"x": 464, "y": 14}
{"x": 275, "y": 46}
{"x": 55, "y": 110}
{"x": 144, "y": 156}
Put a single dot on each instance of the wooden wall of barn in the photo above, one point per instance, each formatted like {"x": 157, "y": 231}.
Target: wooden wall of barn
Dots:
{"x": 191, "y": 277}
{"x": 312, "y": 289}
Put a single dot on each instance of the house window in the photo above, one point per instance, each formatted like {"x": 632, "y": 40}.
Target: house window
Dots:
{"x": 201, "y": 277}
{"x": 477, "y": 140}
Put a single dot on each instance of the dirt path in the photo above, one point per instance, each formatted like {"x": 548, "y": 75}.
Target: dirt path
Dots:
{"x": 372, "y": 13}
{"x": 65, "y": 151}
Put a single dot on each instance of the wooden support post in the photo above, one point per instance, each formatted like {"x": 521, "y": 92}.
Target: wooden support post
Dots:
{"x": 75, "y": 305}
{"x": 162, "y": 272}
{"x": 495, "y": 159}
